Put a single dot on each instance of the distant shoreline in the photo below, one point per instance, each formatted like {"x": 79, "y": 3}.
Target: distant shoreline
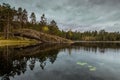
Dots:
{"x": 97, "y": 41}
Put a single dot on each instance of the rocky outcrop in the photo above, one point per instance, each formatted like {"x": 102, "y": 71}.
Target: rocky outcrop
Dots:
{"x": 39, "y": 36}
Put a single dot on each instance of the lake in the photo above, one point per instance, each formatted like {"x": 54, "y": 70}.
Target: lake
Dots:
{"x": 78, "y": 61}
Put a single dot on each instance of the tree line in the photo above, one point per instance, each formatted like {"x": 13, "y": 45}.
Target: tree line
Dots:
{"x": 101, "y": 35}
{"x": 12, "y": 19}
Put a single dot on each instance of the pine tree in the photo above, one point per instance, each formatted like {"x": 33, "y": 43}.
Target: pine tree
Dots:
{"x": 43, "y": 20}
{"x": 20, "y": 14}
{"x": 33, "y": 18}
{"x": 25, "y": 16}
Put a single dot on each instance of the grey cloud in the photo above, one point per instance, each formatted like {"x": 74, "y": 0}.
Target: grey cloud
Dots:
{"x": 74, "y": 12}
{"x": 104, "y": 1}
{"x": 98, "y": 1}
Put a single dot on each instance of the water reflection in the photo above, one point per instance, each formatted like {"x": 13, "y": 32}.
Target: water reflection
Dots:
{"x": 16, "y": 60}
{"x": 94, "y": 47}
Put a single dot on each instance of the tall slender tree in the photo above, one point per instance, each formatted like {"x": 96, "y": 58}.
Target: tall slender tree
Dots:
{"x": 6, "y": 18}
{"x": 20, "y": 14}
{"x": 33, "y": 18}
{"x": 43, "y": 20}
{"x": 25, "y": 16}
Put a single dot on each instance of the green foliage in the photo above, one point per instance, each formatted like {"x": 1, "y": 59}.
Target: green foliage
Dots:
{"x": 69, "y": 35}
{"x": 101, "y": 35}
{"x": 45, "y": 29}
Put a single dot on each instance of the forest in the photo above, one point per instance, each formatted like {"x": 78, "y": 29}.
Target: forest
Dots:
{"x": 14, "y": 19}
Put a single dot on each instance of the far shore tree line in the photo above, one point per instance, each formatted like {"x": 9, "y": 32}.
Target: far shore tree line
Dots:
{"x": 12, "y": 19}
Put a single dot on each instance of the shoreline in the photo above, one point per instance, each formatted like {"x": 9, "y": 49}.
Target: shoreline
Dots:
{"x": 96, "y": 41}
{"x": 13, "y": 42}
{"x": 16, "y": 42}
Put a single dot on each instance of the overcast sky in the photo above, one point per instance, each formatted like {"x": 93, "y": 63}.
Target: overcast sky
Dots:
{"x": 75, "y": 14}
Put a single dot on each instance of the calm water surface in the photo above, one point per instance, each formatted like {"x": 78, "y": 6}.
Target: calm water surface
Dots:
{"x": 80, "y": 61}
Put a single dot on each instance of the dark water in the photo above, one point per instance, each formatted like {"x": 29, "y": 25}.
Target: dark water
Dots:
{"x": 80, "y": 61}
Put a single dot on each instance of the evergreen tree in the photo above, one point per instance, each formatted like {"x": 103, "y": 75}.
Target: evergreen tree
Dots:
{"x": 43, "y": 20}
{"x": 20, "y": 14}
{"x": 33, "y": 18}
{"x": 25, "y": 16}
{"x": 6, "y": 19}
{"x": 53, "y": 23}
{"x": 54, "y": 28}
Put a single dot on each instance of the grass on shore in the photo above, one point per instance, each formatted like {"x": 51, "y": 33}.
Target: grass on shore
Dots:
{"x": 16, "y": 42}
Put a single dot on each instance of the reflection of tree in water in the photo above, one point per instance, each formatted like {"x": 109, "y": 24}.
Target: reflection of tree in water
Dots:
{"x": 32, "y": 63}
{"x": 12, "y": 68}
{"x": 49, "y": 55}
{"x": 20, "y": 66}
{"x": 13, "y": 63}
{"x": 94, "y": 47}
{"x": 5, "y": 63}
